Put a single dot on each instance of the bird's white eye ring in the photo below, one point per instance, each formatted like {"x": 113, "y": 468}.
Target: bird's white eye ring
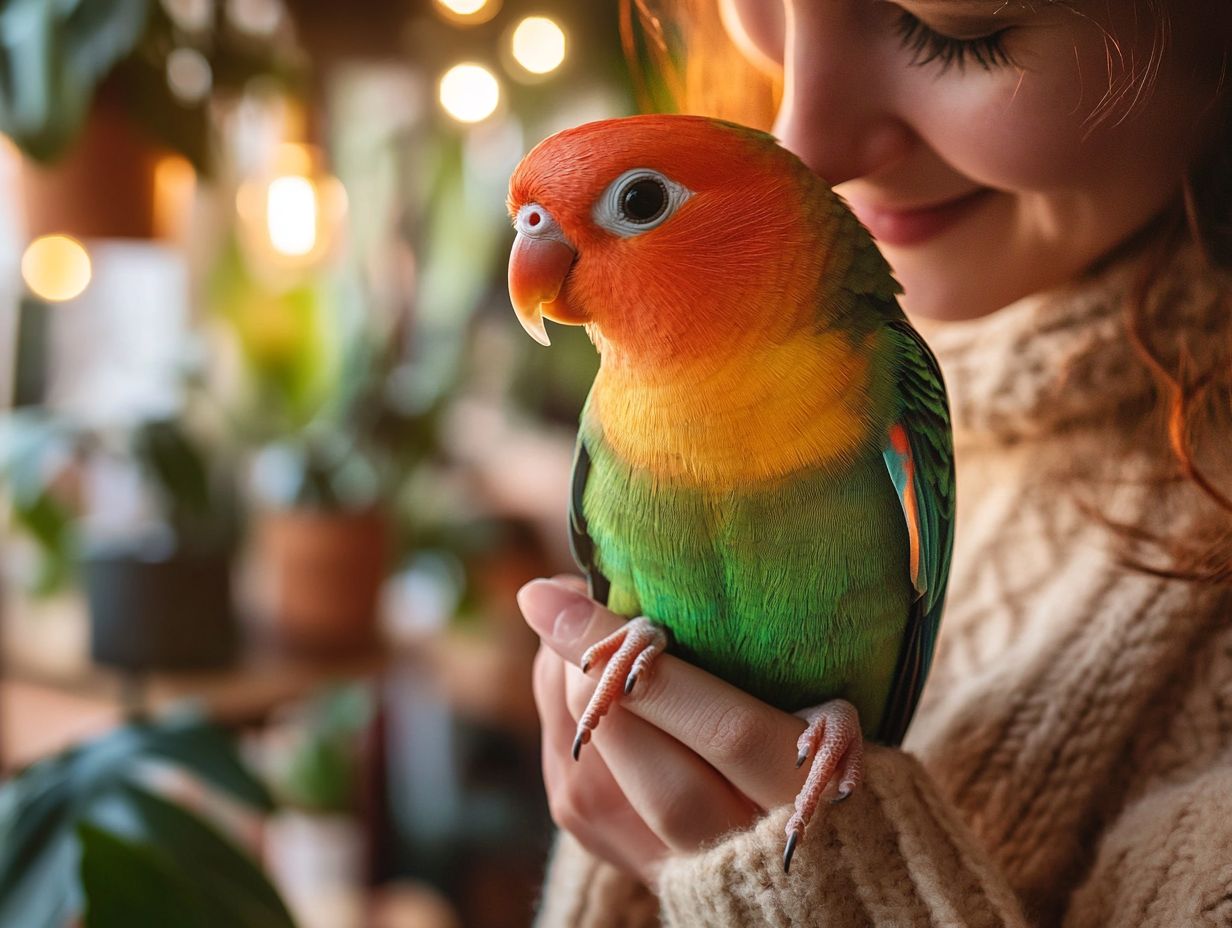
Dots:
{"x": 637, "y": 201}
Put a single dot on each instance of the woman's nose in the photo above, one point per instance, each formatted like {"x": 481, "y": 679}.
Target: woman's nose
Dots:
{"x": 837, "y": 111}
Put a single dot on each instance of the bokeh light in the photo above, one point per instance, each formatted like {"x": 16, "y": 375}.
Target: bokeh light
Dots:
{"x": 468, "y": 12}
{"x": 469, "y": 92}
{"x": 291, "y": 215}
{"x": 189, "y": 75}
{"x": 539, "y": 45}
{"x": 291, "y": 212}
{"x": 56, "y": 268}
{"x": 256, "y": 17}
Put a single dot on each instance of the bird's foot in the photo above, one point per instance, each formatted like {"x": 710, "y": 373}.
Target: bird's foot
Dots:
{"x": 834, "y": 740}
{"x": 631, "y": 649}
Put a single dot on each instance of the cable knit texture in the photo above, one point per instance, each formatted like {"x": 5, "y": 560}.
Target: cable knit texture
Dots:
{"x": 1071, "y": 760}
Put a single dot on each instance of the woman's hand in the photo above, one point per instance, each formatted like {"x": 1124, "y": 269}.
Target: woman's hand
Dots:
{"x": 680, "y": 761}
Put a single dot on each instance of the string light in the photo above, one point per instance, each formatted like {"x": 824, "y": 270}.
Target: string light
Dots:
{"x": 469, "y": 93}
{"x": 539, "y": 45}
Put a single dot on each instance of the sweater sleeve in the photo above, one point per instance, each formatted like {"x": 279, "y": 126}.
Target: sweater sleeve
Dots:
{"x": 582, "y": 891}
{"x": 894, "y": 853}
{"x": 1167, "y": 860}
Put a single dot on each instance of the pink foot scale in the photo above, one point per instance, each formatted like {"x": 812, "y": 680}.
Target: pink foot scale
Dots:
{"x": 834, "y": 740}
{"x": 631, "y": 649}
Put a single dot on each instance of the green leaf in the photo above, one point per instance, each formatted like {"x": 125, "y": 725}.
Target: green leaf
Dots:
{"x": 176, "y": 465}
{"x": 207, "y": 751}
{"x": 41, "y": 808}
{"x": 38, "y": 853}
{"x": 232, "y": 889}
{"x": 35, "y": 451}
{"x": 130, "y": 884}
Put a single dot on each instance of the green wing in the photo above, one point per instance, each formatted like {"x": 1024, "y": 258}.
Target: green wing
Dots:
{"x": 919, "y": 456}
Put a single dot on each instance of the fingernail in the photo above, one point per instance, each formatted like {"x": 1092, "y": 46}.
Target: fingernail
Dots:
{"x": 554, "y": 610}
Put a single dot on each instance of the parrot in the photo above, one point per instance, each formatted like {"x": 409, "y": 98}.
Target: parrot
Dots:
{"x": 763, "y": 480}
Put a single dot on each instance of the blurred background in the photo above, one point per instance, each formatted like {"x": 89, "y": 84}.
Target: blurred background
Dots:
{"x": 275, "y": 456}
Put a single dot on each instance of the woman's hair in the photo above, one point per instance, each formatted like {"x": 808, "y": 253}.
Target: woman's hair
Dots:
{"x": 1191, "y": 366}
{"x": 659, "y": 36}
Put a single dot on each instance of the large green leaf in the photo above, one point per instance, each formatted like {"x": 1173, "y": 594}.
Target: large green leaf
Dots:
{"x": 129, "y": 883}
{"x": 37, "y": 851}
{"x": 231, "y": 888}
{"x": 207, "y": 751}
{"x": 42, "y": 808}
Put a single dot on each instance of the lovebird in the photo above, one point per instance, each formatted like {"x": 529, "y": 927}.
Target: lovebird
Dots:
{"x": 764, "y": 478}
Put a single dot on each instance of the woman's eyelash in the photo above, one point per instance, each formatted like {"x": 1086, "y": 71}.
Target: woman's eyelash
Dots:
{"x": 927, "y": 45}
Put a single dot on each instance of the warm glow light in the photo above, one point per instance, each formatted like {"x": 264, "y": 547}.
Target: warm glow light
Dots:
{"x": 56, "y": 268}
{"x": 469, "y": 12}
{"x": 291, "y": 214}
{"x": 469, "y": 92}
{"x": 538, "y": 45}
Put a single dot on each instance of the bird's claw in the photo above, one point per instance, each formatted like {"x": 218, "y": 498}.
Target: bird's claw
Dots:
{"x": 834, "y": 741}
{"x": 629, "y": 651}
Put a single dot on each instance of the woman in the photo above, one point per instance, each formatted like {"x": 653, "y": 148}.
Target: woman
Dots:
{"x": 1050, "y": 182}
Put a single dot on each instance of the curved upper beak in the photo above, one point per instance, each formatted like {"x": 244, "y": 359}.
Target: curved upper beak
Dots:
{"x": 538, "y": 266}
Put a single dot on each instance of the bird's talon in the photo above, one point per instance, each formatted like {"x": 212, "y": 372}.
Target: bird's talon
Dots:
{"x": 628, "y": 651}
{"x": 582, "y": 737}
{"x": 833, "y": 741}
{"x": 791, "y": 850}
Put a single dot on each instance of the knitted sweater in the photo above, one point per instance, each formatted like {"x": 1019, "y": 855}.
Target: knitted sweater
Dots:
{"x": 1071, "y": 760}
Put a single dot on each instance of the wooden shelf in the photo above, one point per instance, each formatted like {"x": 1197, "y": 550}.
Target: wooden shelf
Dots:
{"x": 53, "y": 694}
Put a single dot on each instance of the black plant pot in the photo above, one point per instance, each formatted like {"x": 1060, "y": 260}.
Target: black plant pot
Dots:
{"x": 160, "y": 610}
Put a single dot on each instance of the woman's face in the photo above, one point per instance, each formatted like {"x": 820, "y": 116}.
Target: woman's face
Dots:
{"x": 994, "y": 148}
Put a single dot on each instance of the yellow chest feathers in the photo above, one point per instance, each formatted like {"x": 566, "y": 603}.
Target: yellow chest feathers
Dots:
{"x": 799, "y": 404}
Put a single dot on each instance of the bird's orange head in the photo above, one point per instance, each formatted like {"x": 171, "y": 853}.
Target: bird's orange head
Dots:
{"x": 668, "y": 236}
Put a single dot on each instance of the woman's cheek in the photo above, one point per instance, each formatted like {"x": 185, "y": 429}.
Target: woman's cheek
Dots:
{"x": 1022, "y": 137}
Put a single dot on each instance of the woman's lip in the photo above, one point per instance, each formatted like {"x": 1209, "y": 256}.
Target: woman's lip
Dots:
{"x": 899, "y": 226}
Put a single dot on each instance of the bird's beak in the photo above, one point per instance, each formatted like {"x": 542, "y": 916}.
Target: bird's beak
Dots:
{"x": 538, "y": 266}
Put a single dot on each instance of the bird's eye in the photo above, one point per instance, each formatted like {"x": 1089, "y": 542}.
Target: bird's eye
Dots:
{"x": 637, "y": 201}
{"x": 643, "y": 201}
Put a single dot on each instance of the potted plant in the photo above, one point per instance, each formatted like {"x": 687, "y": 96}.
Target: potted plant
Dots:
{"x": 87, "y": 838}
{"x": 321, "y": 542}
{"x": 156, "y": 568}
{"x": 326, "y": 523}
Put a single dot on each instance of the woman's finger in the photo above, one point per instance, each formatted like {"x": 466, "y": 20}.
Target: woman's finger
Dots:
{"x": 584, "y": 798}
{"x": 752, "y": 744}
{"x": 680, "y": 797}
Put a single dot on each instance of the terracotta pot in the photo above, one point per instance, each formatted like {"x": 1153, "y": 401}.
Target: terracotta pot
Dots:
{"x": 103, "y": 187}
{"x": 319, "y": 576}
